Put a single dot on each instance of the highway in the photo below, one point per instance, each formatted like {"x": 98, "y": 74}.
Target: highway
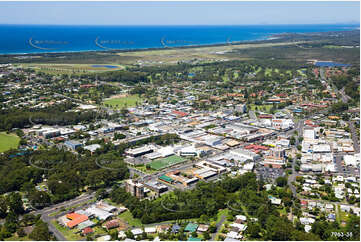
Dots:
{"x": 45, "y": 212}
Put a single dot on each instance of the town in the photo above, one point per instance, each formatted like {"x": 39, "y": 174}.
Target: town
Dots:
{"x": 226, "y": 150}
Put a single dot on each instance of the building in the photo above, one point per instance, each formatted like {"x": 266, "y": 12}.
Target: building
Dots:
{"x": 134, "y": 188}
{"x": 72, "y": 144}
{"x": 245, "y": 154}
{"x": 156, "y": 186}
{"x": 242, "y": 108}
{"x": 139, "y": 151}
{"x": 275, "y": 158}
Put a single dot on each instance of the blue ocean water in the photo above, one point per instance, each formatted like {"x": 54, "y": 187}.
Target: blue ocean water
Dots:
{"x": 19, "y": 39}
{"x": 330, "y": 64}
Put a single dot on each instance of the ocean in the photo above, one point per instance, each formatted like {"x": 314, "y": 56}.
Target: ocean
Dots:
{"x": 22, "y": 39}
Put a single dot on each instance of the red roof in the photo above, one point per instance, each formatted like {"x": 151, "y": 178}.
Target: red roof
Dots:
{"x": 112, "y": 224}
{"x": 75, "y": 219}
{"x": 179, "y": 113}
{"x": 265, "y": 116}
{"x": 304, "y": 202}
{"x": 87, "y": 230}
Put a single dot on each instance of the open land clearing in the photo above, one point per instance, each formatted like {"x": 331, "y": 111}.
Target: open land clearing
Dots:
{"x": 72, "y": 68}
{"x": 123, "y": 101}
{"x": 8, "y": 141}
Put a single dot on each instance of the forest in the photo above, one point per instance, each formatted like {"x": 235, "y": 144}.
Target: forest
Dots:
{"x": 243, "y": 193}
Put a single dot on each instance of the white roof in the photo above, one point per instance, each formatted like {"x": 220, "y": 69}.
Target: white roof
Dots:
{"x": 233, "y": 235}
{"x": 241, "y": 217}
{"x": 308, "y": 228}
{"x": 150, "y": 229}
{"x": 137, "y": 231}
{"x": 166, "y": 151}
{"x": 104, "y": 238}
{"x": 241, "y": 227}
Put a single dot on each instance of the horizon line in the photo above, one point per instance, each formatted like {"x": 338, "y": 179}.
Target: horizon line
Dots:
{"x": 142, "y": 25}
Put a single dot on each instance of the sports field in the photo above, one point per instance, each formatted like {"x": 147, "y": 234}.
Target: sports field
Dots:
{"x": 71, "y": 68}
{"x": 159, "y": 164}
{"x": 128, "y": 101}
{"x": 8, "y": 141}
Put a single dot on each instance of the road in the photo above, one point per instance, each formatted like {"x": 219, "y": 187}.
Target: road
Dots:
{"x": 45, "y": 212}
{"x": 354, "y": 137}
{"x": 252, "y": 115}
{"x": 292, "y": 177}
{"x": 219, "y": 226}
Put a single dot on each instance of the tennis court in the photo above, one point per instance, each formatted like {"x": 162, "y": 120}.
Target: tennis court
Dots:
{"x": 162, "y": 163}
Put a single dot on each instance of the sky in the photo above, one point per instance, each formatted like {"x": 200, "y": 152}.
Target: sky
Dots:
{"x": 179, "y": 13}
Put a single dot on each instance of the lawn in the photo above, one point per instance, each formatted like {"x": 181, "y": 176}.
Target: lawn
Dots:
{"x": 68, "y": 234}
{"x": 127, "y": 217}
{"x": 222, "y": 212}
{"x": 71, "y": 68}
{"x": 262, "y": 108}
{"x": 128, "y": 101}
{"x": 16, "y": 238}
{"x": 8, "y": 141}
{"x": 159, "y": 164}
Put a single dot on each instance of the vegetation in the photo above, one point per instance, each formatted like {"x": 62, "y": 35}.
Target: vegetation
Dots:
{"x": 8, "y": 141}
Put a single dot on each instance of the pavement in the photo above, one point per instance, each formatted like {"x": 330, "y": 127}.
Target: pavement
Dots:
{"x": 219, "y": 226}
{"x": 354, "y": 136}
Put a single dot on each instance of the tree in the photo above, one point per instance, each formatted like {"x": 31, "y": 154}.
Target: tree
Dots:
{"x": 254, "y": 230}
{"x": 11, "y": 221}
{"x": 40, "y": 232}
{"x": 39, "y": 199}
{"x": 101, "y": 193}
{"x": 206, "y": 235}
{"x": 15, "y": 203}
{"x": 129, "y": 234}
{"x": 3, "y": 207}
{"x": 281, "y": 181}
{"x": 21, "y": 232}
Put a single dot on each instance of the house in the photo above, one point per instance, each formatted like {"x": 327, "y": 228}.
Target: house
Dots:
{"x": 175, "y": 228}
{"x": 191, "y": 227}
{"x": 85, "y": 224}
{"x": 122, "y": 235}
{"x": 150, "y": 230}
{"x": 203, "y": 228}
{"x": 308, "y": 228}
{"x": 233, "y": 235}
{"x": 87, "y": 231}
{"x": 137, "y": 232}
{"x": 242, "y": 218}
{"x": 163, "y": 228}
{"x": 194, "y": 239}
{"x": 111, "y": 224}
{"x": 307, "y": 221}
{"x": 331, "y": 217}
{"x": 75, "y": 219}
{"x": 104, "y": 238}
{"x": 238, "y": 227}
{"x": 345, "y": 208}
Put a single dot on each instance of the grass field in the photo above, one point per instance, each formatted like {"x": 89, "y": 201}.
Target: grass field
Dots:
{"x": 128, "y": 218}
{"x": 8, "y": 141}
{"x": 129, "y": 101}
{"x": 68, "y": 234}
{"x": 159, "y": 164}
{"x": 263, "y": 108}
{"x": 71, "y": 68}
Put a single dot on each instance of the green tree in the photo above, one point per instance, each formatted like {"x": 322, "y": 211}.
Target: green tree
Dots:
{"x": 40, "y": 232}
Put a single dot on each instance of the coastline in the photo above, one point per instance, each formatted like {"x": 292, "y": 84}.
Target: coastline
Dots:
{"x": 261, "y": 40}
{"x": 270, "y": 38}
